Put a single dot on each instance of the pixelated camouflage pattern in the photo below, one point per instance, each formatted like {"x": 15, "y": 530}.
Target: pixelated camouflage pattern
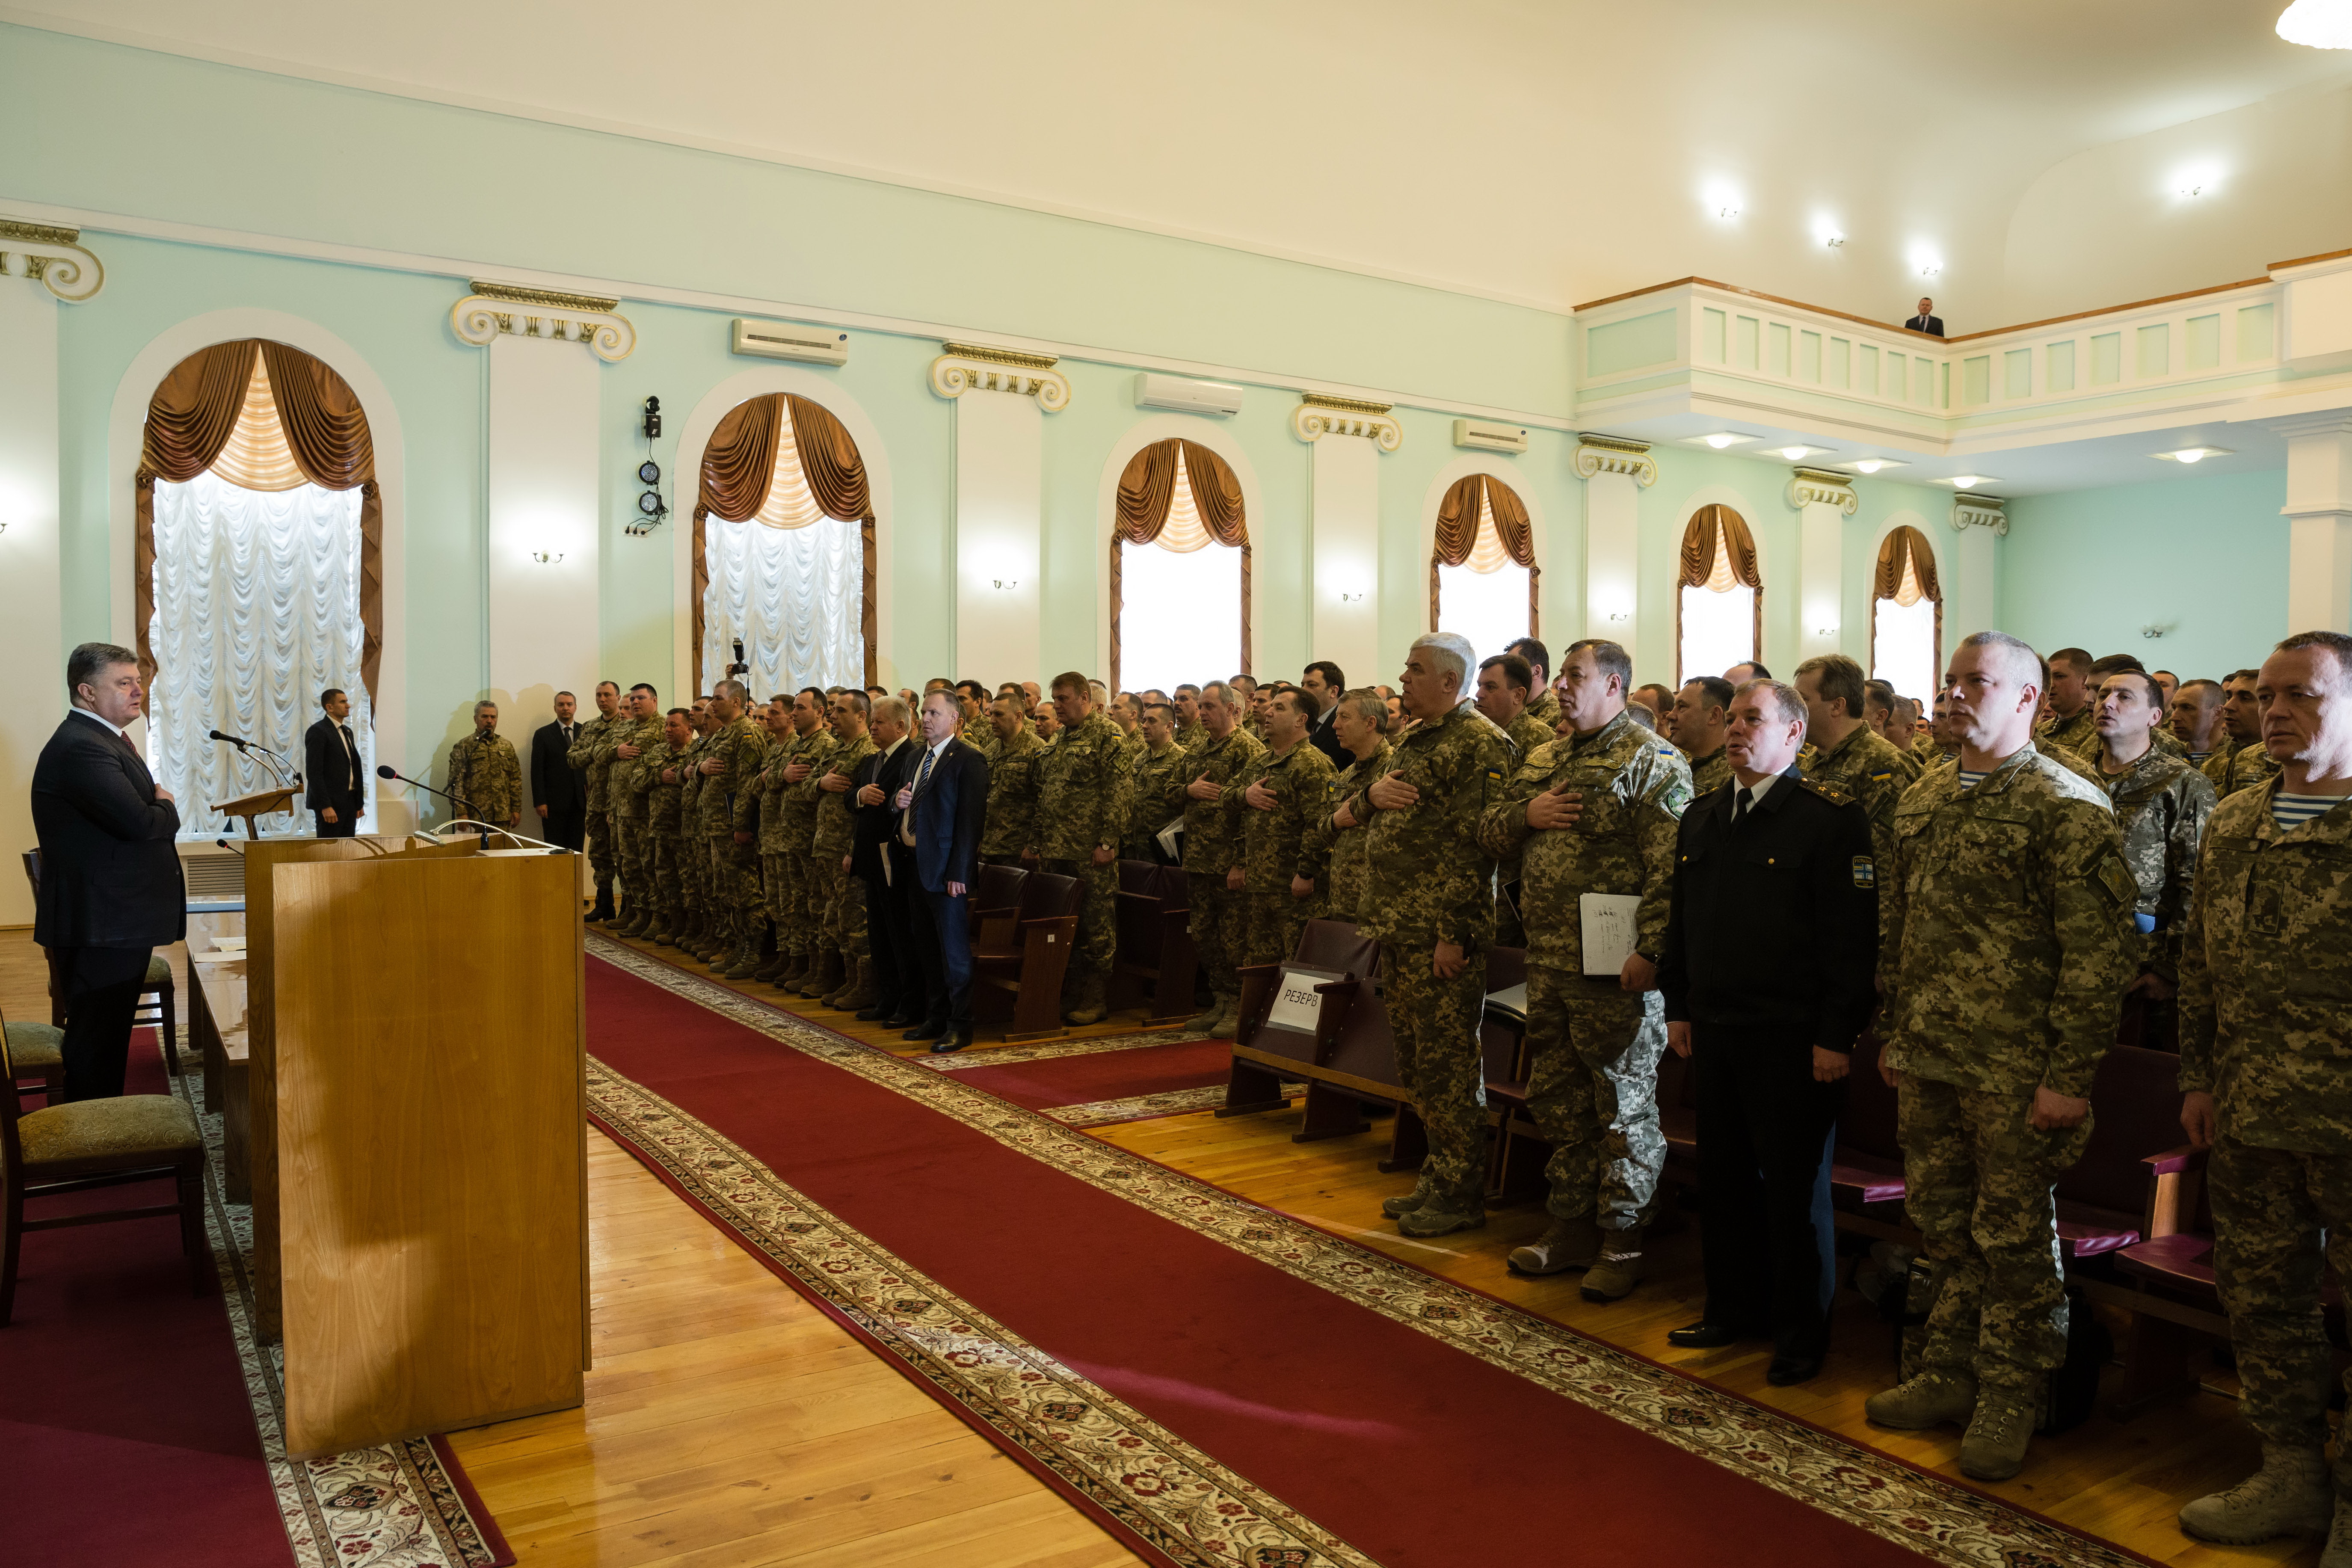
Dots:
{"x": 1864, "y": 767}
{"x": 1435, "y": 1024}
{"x": 2075, "y": 762}
{"x": 2080, "y": 733}
{"x": 2008, "y": 941}
{"x": 1300, "y": 780}
{"x": 1527, "y": 732}
{"x": 2275, "y": 1210}
{"x": 1593, "y": 1092}
{"x": 1155, "y": 793}
{"x": 1544, "y": 708}
{"x": 591, "y": 753}
{"x": 486, "y": 773}
{"x": 1012, "y": 794}
{"x": 2232, "y": 769}
{"x": 831, "y": 838}
{"x": 2161, "y": 805}
{"x": 1635, "y": 788}
{"x": 630, "y": 778}
{"x": 1332, "y": 856}
{"x": 1429, "y": 877}
{"x": 1081, "y": 788}
{"x": 1710, "y": 773}
{"x": 1212, "y": 840}
{"x": 767, "y": 796}
{"x": 739, "y": 747}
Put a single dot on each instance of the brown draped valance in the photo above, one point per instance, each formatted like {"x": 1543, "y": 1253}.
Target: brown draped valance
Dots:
{"x": 190, "y": 419}
{"x": 1147, "y": 494}
{"x": 1906, "y": 546}
{"x": 1714, "y": 526}
{"x": 738, "y": 466}
{"x": 1457, "y": 535}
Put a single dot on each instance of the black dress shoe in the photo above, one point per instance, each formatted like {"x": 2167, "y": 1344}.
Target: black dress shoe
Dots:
{"x": 928, "y": 1029}
{"x": 900, "y": 1019}
{"x": 1788, "y": 1368}
{"x": 883, "y": 1008}
{"x": 954, "y": 1041}
{"x": 1701, "y": 1335}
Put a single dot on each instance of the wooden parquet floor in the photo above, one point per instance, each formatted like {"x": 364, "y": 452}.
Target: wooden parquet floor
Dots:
{"x": 729, "y": 1423}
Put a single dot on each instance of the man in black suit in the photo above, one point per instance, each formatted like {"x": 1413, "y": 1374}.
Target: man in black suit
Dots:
{"x": 1322, "y": 684}
{"x": 557, "y": 788}
{"x": 896, "y": 994}
{"x": 336, "y": 794}
{"x": 1767, "y": 973}
{"x": 942, "y": 810}
{"x": 1927, "y": 321}
{"x": 110, "y": 887}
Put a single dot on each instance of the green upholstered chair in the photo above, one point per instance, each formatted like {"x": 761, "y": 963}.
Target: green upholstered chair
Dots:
{"x": 35, "y": 1051}
{"x": 92, "y": 1143}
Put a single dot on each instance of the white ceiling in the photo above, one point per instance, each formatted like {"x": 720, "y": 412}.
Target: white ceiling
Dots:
{"x": 1549, "y": 153}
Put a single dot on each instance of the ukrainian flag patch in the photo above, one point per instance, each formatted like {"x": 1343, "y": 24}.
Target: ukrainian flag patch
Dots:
{"x": 1865, "y": 871}
{"x": 1495, "y": 775}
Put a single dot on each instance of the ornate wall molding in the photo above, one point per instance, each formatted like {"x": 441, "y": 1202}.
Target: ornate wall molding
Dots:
{"x": 1610, "y": 455}
{"x": 1820, "y": 487}
{"x": 976, "y": 367}
{"x": 1319, "y": 415}
{"x": 52, "y": 257}
{"x": 1978, "y": 512}
{"x": 495, "y": 308}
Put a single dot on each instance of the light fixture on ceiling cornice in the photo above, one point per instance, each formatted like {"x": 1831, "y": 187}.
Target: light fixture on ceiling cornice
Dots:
{"x": 1720, "y": 439}
{"x": 1968, "y": 481}
{"x": 2317, "y": 23}
{"x": 2190, "y": 454}
{"x": 1872, "y": 465}
{"x": 1798, "y": 453}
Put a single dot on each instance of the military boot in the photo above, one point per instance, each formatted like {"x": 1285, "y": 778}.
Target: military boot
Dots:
{"x": 795, "y": 968}
{"x": 1088, "y": 998}
{"x": 631, "y": 921}
{"x": 1229, "y": 1017}
{"x": 602, "y": 913}
{"x": 1565, "y": 1243}
{"x": 824, "y": 975}
{"x": 1443, "y": 1214}
{"x": 2290, "y": 1495}
{"x": 1618, "y": 1268}
{"x": 2338, "y": 1552}
{"x": 1208, "y": 1019}
{"x": 772, "y": 967}
{"x": 1405, "y": 1203}
{"x": 1928, "y": 1399}
{"x": 856, "y": 982}
{"x": 747, "y": 961}
{"x": 724, "y": 945}
{"x": 659, "y": 929}
{"x": 1994, "y": 1447}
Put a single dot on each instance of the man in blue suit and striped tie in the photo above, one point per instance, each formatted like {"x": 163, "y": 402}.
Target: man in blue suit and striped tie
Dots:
{"x": 939, "y": 819}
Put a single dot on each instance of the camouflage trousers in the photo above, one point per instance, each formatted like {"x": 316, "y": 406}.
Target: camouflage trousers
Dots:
{"x": 776, "y": 895}
{"x": 1593, "y": 1092}
{"x": 2280, "y": 1218}
{"x": 601, "y": 860}
{"x": 807, "y": 907}
{"x": 1096, "y": 942}
{"x": 666, "y": 877}
{"x": 734, "y": 884}
{"x": 1272, "y": 921}
{"x": 1435, "y": 1024}
{"x": 633, "y": 846}
{"x": 1219, "y": 922}
{"x": 1979, "y": 1183}
{"x": 843, "y": 892}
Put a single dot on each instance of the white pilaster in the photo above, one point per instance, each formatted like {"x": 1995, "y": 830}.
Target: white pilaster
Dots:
{"x": 2319, "y": 522}
{"x": 1823, "y": 501}
{"x": 1970, "y": 603}
{"x": 32, "y": 635}
{"x": 1002, "y": 396}
{"x": 1344, "y": 500}
{"x": 1615, "y": 473}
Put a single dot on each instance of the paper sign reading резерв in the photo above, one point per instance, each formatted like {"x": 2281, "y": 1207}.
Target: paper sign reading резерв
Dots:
{"x": 1296, "y": 1005}
{"x": 1607, "y": 923}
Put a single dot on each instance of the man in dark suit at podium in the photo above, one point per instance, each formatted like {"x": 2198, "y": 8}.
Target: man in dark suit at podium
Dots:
{"x": 336, "y": 794}
{"x": 110, "y": 887}
{"x": 1927, "y": 321}
{"x": 942, "y": 812}
{"x": 558, "y": 792}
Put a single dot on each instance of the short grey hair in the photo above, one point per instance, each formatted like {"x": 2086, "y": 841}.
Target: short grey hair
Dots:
{"x": 2020, "y": 652}
{"x": 1369, "y": 706}
{"x": 1448, "y": 650}
{"x": 1788, "y": 705}
{"x": 485, "y": 702}
{"x": 91, "y": 660}
{"x": 893, "y": 709}
{"x": 733, "y": 689}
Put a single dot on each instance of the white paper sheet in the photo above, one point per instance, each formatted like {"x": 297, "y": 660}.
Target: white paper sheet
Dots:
{"x": 1295, "y": 1003}
{"x": 1607, "y": 922}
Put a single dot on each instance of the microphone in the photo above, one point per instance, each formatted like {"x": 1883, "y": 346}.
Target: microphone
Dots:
{"x": 386, "y": 771}
{"x": 230, "y": 847}
{"x": 247, "y": 748}
{"x": 239, "y": 741}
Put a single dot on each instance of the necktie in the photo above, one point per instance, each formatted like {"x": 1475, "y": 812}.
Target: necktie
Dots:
{"x": 907, "y": 817}
{"x": 1739, "y": 807}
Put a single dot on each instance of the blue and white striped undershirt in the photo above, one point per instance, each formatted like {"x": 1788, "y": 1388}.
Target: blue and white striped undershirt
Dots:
{"x": 2292, "y": 811}
{"x": 1970, "y": 780}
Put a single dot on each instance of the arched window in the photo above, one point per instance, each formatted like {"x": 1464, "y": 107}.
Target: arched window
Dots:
{"x": 1180, "y": 570}
{"x": 259, "y": 567}
{"x": 1481, "y": 567}
{"x": 1719, "y": 595}
{"x": 784, "y": 549}
{"x": 1906, "y": 615}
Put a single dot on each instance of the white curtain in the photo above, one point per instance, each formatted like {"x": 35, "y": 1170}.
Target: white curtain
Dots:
{"x": 257, "y": 613}
{"x": 1903, "y": 651}
{"x": 1718, "y": 627}
{"x": 1484, "y": 599}
{"x": 793, "y": 595}
{"x": 1179, "y": 615}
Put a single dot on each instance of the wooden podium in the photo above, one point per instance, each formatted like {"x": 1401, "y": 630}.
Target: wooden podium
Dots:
{"x": 261, "y": 803}
{"x": 419, "y": 1161}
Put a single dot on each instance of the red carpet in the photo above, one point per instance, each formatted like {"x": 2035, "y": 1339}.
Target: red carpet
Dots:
{"x": 1106, "y": 1075}
{"x": 1379, "y": 1432}
{"x": 127, "y": 1436}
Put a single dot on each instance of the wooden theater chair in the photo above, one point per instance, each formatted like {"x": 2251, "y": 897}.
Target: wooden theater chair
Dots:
{"x": 1331, "y": 1033}
{"x": 1021, "y": 955}
{"x": 997, "y": 895}
{"x": 1156, "y": 968}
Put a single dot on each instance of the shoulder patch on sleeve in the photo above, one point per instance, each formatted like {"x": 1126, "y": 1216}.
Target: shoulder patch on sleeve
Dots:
{"x": 1494, "y": 776}
{"x": 1865, "y": 871}
{"x": 2115, "y": 880}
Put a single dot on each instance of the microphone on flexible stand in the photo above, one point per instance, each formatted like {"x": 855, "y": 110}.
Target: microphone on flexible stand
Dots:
{"x": 385, "y": 771}
{"x": 230, "y": 847}
{"x": 278, "y": 768}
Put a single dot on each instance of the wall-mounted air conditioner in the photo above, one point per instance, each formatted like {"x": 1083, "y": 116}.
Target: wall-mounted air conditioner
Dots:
{"x": 1213, "y": 397}
{"x": 1487, "y": 436}
{"x": 786, "y": 339}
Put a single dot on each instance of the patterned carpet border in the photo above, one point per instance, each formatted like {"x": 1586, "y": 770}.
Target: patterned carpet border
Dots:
{"x": 1146, "y": 1107}
{"x": 1055, "y": 1050}
{"x": 1944, "y": 1521}
{"x": 396, "y": 1506}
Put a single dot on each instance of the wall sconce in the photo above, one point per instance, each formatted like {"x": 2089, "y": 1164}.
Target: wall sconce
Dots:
{"x": 1619, "y": 616}
{"x": 1825, "y": 631}
{"x": 2154, "y": 631}
{"x": 1005, "y": 584}
{"x": 1356, "y": 599}
{"x": 548, "y": 558}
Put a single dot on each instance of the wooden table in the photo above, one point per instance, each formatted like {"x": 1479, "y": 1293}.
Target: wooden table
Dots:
{"x": 216, "y": 1020}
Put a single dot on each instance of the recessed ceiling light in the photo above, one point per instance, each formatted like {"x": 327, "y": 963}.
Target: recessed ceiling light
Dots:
{"x": 1968, "y": 481}
{"x": 2317, "y": 23}
{"x": 2191, "y": 454}
{"x": 1798, "y": 453}
{"x": 1721, "y": 439}
{"x": 1872, "y": 465}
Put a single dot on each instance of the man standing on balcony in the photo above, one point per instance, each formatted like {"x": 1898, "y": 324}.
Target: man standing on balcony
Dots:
{"x": 1927, "y": 321}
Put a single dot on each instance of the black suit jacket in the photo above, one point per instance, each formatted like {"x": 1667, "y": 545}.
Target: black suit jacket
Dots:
{"x": 1774, "y": 923}
{"x": 949, "y": 815}
{"x": 110, "y": 870}
{"x": 330, "y": 775}
{"x": 1324, "y": 736}
{"x": 555, "y": 784}
{"x": 1932, "y": 325}
{"x": 871, "y": 827}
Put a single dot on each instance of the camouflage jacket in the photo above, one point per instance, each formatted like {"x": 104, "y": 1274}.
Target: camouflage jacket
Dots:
{"x": 1864, "y": 767}
{"x": 1428, "y": 877}
{"x": 1710, "y": 773}
{"x": 1192, "y": 736}
{"x": 1527, "y": 732}
{"x": 2077, "y": 762}
{"x": 800, "y": 800}
{"x": 739, "y": 747}
{"x": 1300, "y": 781}
{"x": 1334, "y": 855}
{"x": 1012, "y": 794}
{"x": 591, "y": 753}
{"x": 1155, "y": 790}
{"x": 2008, "y": 941}
{"x": 485, "y": 773}
{"x": 661, "y": 799}
{"x": 2240, "y": 768}
{"x": 2161, "y": 804}
{"x": 1927, "y": 754}
{"x": 834, "y": 807}
{"x": 1635, "y": 788}
{"x": 2080, "y": 733}
{"x": 1544, "y": 708}
{"x": 1081, "y": 792}
{"x": 767, "y": 798}
{"x": 630, "y": 782}
{"x": 2266, "y": 976}
{"x": 1210, "y": 845}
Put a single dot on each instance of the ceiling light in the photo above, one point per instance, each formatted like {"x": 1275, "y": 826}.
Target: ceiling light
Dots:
{"x": 1720, "y": 198}
{"x": 1721, "y": 439}
{"x": 1968, "y": 481}
{"x": 1872, "y": 465}
{"x": 2317, "y": 23}
{"x": 1797, "y": 454}
{"x": 2191, "y": 454}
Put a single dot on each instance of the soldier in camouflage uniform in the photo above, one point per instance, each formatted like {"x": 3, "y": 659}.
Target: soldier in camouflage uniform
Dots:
{"x": 2073, "y": 725}
{"x": 693, "y": 868}
{"x": 1543, "y": 702}
{"x": 2161, "y": 804}
{"x": 1429, "y": 901}
{"x": 1503, "y": 687}
{"x": 843, "y": 939}
{"x": 593, "y": 756}
{"x": 1190, "y": 734}
{"x": 736, "y": 750}
{"x": 804, "y": 914}
{"x": 2196, "y": 720}
{"x": 2009, "y": 951}
{"x": 759, "y": 813}
{"x": 1212, "y": 847}
{"x": 632, "y": 745}
{"x": 2242, "y": 762}
{"x": 1286, "y": 790}
{"x": 1330, "y": 857}
{"x": 1011, "y": 822}
{"x": 1844, "y": 757}
{"x": 1155, "y": 786}
{"x": 1080, "y": 818}
{"x": 1701, "y": 727}
{"x": 657, "y": 783}
{"x": 484, "y": 773}
{"x": 1595, "y": 813}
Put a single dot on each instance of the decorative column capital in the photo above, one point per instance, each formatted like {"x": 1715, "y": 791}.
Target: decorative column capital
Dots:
{"x": 1610, "y": 455}
{"x": 1820, "y": 487}
{"x": 586, "y": 319}
{"x": 1319, "y": 415}
{"x": 975, "y": 367}
{"x": 52, "y": 257}
{"x": 1978, "y": 512}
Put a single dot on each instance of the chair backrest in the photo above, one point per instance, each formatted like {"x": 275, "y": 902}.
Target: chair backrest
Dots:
{"x": 1868, "y": 1122}
{"x": 1334, "y": 946}
{"x": 2134, "y": 1112}
{"x": 32, "y": 872}
{"x": 1175, "y": 893}
{"x": 11, "y": 1156}
{"x": 1046, "y": 896}
{"x": 999, "y": 888}
{"x": 1138, "y": 877}
{"x": 1506, "y": 967}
